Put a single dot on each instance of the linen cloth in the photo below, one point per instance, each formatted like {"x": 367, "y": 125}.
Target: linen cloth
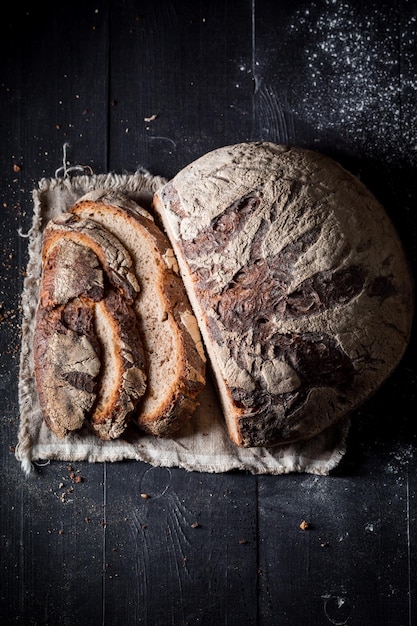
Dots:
{"x": 201, "y": 445}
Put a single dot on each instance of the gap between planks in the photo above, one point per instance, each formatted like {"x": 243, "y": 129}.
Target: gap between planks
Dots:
{"x": 104, "y": 546}
{"x": 410, "y": 616}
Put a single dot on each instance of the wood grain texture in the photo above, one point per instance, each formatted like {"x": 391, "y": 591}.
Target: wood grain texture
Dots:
{"x": 339, "y": 77}
{"x": 347, "y": 528}
{"x": 344, "y": 563}
{"x": 176, "y": 558}
{"x": 57, "y": 553}
{"x": 185, "y": 73}
{"x": 54, "y": 88}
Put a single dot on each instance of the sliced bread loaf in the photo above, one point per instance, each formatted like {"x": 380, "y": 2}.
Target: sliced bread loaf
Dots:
{"x": 299, "y": 283}
{"x": 169, "y": 331}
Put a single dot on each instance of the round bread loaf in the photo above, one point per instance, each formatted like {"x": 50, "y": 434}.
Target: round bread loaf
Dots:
{"x": 299, "y": 283}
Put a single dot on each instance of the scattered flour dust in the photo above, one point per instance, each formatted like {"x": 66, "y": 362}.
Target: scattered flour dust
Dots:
{"x": 357, "y": 73}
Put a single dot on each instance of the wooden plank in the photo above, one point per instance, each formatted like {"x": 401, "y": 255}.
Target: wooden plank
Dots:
{"x": 58, "y": 58}
{"x": 181, "y": 547}
{"x": 52, "y": 564}
{"x": 178, "y": 65}
{"x": 354, "y": 560}
{"x": 182, "y": 82}
{"x": 330, "y": 81}
{"x": 54, "y": 88}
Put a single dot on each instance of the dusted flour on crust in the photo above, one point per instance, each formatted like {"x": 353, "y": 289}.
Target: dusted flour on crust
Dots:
{"x": 298, "y": 281}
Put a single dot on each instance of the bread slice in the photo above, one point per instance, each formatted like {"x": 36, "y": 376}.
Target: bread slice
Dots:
{"x": 111, "y": 253}
{"x": 172, "y": 343}
{"x": 67, "y": 364}
{"x": 298, "y": 281}
{"x": 88, "y": 355}
{"x": 122, "y": 380}
{"x": 69, "y": 270}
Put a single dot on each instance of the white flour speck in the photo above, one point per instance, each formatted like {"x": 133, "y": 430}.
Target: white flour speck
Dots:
{"x": 354, "y": 75}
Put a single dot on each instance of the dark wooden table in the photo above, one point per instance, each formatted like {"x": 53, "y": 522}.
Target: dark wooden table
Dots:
{"x": 339, "y": 77}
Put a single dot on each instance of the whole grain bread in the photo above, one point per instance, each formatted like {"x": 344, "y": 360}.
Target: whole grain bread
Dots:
{"x": 169, "y": 331}
{"x": 298, "y": 281}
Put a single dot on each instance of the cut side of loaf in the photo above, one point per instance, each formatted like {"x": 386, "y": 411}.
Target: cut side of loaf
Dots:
{"x": 169, "y": 331}
{"x": 298, "y": 281}
{"x": 88, "y": 357}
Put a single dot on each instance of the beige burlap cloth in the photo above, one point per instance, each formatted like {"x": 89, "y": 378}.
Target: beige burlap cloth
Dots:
{"x": 203, "y": 444}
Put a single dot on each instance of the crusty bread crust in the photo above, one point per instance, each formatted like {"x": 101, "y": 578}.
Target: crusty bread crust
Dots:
{"x": 172, "y": 343}
{"x": 298, "y": 281}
